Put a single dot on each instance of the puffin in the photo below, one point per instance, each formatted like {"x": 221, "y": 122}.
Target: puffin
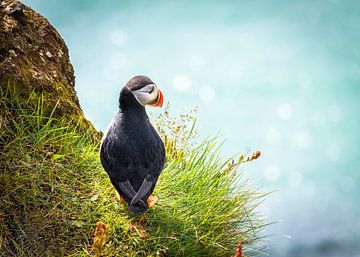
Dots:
{"x": 132, "y": 152}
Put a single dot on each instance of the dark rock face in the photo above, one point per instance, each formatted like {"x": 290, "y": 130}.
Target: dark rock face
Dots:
{"x": 35, "y": 59}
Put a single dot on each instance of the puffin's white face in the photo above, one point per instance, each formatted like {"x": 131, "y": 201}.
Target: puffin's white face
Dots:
{"x": 149, "y": 95}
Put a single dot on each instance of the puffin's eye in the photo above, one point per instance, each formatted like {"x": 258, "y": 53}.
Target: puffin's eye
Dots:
{"x": 151, "y": 90}
{"x": 147, "y": 89}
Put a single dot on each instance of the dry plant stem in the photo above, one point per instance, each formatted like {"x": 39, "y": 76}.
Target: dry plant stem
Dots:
{"x": 239, "y": 251}
{"x": 100, "y": 237}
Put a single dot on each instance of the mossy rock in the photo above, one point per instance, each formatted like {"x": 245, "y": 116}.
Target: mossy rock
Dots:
{"x": 34, "y": 60}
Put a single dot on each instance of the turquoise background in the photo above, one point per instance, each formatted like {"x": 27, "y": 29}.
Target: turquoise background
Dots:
{"x": 279, "y": 76}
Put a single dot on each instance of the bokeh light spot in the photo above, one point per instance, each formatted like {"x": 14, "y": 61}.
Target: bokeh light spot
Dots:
{"x": 182, "y": 83}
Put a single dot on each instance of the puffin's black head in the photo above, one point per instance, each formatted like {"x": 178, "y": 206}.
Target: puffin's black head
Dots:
{"x": 140, "y": 91}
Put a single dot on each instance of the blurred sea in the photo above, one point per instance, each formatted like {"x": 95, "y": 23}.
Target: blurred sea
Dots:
{"x": 279, "y": 76}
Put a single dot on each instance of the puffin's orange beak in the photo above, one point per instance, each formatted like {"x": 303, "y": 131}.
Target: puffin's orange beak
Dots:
{"x": 159, "y": 100}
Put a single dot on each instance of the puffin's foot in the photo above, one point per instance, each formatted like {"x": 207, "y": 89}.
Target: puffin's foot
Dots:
{"x": 120, "y": 198}
{"x": 142, "y": 231}
{"x": 151, "y": 201}
{"x": 139, "y": 228}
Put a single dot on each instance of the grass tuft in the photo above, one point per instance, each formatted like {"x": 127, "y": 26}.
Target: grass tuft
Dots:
{"x": 53, "y": 192}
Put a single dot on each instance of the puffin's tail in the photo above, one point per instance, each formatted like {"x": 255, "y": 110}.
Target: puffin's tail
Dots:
{"x": 137, "y": 201}
{"x": 137, "y": 208}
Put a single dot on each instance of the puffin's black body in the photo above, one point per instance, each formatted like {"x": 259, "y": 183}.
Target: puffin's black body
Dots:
{"x": 132, "y": 152}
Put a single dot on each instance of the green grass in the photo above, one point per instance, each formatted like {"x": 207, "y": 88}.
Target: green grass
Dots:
{"x": 53, "y": 190}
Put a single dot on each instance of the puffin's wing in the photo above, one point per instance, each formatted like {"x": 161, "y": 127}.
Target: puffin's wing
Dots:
{"x": 157, "y": 165}
{"x": 129, "y": 191}
{"x": 145, "y": 188}
{"x": 109, "y": 151}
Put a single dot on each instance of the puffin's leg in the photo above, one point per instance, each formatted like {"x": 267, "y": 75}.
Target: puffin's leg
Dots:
{"x": 151, "y": 201}
{"x": 139, "y": 228}
{"x": 142, "y": 231}
{"x": 131, "y": 227}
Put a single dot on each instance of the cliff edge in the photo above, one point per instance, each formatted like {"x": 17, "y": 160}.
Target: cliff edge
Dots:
{"x": 34, "y": 60}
